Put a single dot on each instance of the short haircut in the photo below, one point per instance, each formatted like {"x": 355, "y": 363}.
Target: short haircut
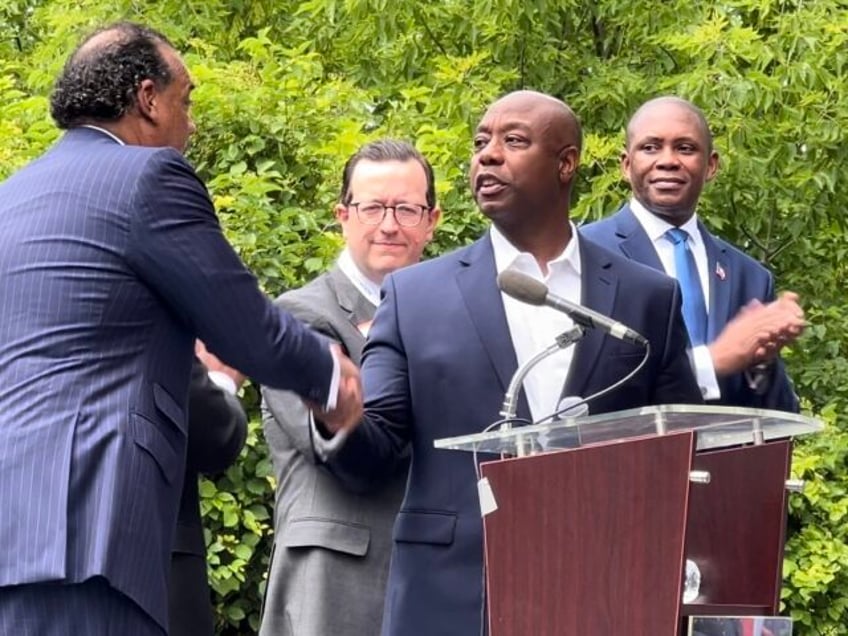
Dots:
{"x": 388, "y": 150}
{"x": 100, "y": 80}
{"x": 679, "y": 101}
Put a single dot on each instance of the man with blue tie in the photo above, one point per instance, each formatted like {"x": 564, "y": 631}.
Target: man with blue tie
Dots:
{"x": 112, "y": 262}
{"x": 735, "y": 326}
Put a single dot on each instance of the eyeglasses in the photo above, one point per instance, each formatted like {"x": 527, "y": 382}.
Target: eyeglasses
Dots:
{"x": 373, "y": 212}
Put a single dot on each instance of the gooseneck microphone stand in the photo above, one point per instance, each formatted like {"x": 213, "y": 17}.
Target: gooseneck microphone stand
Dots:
{"x": 510, "y": 403}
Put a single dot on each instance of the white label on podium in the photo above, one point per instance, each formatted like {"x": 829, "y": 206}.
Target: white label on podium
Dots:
{"x": 487, "y": 497}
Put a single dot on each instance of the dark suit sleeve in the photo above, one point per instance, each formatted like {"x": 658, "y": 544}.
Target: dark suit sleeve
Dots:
{"x": 676, "y": 382}
{"x": 177, "y": 247}
{"x": 217, "y": 424}
{"x": 377, "y": 448}
{"x": 283, "y": 412}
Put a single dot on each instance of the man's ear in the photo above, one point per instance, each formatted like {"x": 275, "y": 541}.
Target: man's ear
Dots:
{"x": 341, "y": 212}
{"x": 569, "y": 158}
{"x": 146, "y": 99}
{"x": 625, "y": 165}
{"x": 432, "y": 220}
{"x": 712, "y": 165}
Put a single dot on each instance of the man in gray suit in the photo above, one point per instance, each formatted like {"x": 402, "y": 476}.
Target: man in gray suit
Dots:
{"x": 331, "y": 550}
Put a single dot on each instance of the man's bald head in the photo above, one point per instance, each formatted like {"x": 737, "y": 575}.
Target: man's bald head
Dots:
{"x": 526, "y": 154}
{"x": 100, "y": 79}
{"x": 669, "y": 100}
{"x": 557, "y": 116}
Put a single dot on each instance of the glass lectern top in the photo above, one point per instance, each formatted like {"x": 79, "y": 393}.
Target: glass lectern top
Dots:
{"x": 716, "y": 427}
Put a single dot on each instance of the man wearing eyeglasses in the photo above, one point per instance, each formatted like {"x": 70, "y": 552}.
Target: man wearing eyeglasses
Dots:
{"x": 331, "y": 551}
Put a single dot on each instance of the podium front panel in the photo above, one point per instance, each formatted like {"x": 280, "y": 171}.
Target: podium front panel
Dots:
{"x": 589, "y": 541}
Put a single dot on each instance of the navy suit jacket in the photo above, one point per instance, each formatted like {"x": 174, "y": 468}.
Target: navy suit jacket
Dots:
{"x": 438, "y": 360}
{"x": 112, "y": 261}
{"x": 735, "y": 280}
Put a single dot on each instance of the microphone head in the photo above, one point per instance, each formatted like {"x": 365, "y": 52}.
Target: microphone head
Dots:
{"x": 522, "y": 287}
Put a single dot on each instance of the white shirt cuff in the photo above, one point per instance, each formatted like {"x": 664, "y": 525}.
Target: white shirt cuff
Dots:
{"x": 333, "y": 394}
{"x": 223, "y": 381}
{"x": 702, "y": 363}
{"x": 325, "y": 448}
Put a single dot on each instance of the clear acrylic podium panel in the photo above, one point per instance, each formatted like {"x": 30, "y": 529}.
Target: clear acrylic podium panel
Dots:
{"x": 716, "y": 427}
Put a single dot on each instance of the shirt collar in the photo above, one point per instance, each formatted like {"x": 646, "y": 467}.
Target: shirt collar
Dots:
{"x": 507, "y": 256}
{"x": 656, "y": 227}
{"x": 105, "y": 132}
{"x": 363, "y": 284}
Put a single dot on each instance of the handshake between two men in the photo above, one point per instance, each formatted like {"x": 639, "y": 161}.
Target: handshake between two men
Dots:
{"x": 751, "y": 341}
{"x": 348, "y": 407}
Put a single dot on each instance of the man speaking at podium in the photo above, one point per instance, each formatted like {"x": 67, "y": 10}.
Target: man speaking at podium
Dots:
{"x": 445, "y": 343}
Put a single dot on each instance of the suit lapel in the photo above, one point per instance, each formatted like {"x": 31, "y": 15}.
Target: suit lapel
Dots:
{"x": 348, "y": 303}
{"x": 479, "y": 290}
{"x": 599, "y": 289}
{"x": 633, "y": 240}
{"x": 720, "y": 284}
{"x": 350, "y": 300}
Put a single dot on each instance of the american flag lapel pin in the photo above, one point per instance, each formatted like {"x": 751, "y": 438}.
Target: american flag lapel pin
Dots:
{"x": 720, "y": 271}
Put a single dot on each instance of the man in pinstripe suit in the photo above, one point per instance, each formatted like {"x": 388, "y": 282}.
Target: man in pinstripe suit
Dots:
{"x": 111, "y": 263}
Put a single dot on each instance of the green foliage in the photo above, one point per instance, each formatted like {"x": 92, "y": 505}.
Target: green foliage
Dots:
{"x": 25, "y": 130}
{"x": 815, "y": 567}
{"x": 288, "y": 89}
{"x": 237, "y": 508}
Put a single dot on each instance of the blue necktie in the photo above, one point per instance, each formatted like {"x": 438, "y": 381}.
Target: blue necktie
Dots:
{"x": 694, "y": 308}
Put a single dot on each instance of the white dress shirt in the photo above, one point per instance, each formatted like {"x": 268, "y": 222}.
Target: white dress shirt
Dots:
{"x": 223, "y": 381}
{"x": 655, "y": 228}
{"x": 534, "y": 328}
{"x": 363, "y": 284}
{"x": 105, "y": 132}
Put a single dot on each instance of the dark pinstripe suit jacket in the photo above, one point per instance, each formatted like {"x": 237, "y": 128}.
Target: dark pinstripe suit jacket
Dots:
{"x": 111, "y": 262}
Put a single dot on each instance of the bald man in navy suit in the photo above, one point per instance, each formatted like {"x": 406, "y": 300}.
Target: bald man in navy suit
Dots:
{"x": 445, "y": 342}
{"x": 669, "y": 156}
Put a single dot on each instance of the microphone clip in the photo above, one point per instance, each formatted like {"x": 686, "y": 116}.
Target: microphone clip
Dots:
{"x": 568, "y": 338}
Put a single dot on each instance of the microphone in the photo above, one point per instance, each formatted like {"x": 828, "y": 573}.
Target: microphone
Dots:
{"x": 529, "y": 290}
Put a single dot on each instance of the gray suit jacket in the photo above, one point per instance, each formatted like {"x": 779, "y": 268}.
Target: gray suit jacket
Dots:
{"x": 331, "y": 550}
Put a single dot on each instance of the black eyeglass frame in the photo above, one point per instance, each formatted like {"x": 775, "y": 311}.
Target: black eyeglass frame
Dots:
{"x": 420, "y": 209}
